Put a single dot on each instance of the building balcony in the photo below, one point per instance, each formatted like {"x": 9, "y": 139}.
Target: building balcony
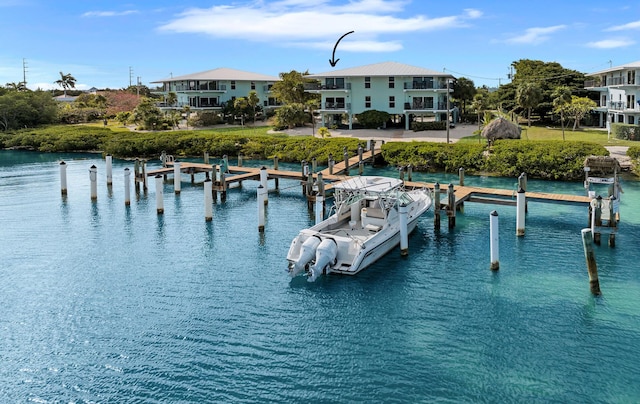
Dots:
{"x": 422, "y": 106}
{"x": 420, "y": 85}
{"x": 323, "y": 87}
{"x": 185, "y": 89}
{"x": 336, "y": 106}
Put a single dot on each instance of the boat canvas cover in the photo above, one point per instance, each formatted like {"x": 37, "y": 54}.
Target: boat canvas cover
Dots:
{"x": 370, "y": 184}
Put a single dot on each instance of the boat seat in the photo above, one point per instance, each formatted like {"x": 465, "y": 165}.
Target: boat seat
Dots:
{"x": 373, "y": 228}
{"x": 375, "y": 212}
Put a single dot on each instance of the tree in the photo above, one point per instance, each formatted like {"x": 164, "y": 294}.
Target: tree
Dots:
{"x": 66, "y": 81}
{"x": 480, "y": 103}
{"x": 463, "y": 90}
{"x": 252, "y": 101}
{"x": 548, "y": 76}
{"x": 21, "y": 86}
{"x": 240, "y": 104}
{"x": 528, "y": 96}
{"x": 561, "y": 98}
{"x": 290, "y": 89}
{"x": 579, "y": 107}
{"x": 147, "y": 115}
{"x": 26, "y": 108}
{"x": 172, "y": 99}
{"x": 290, "y": 116}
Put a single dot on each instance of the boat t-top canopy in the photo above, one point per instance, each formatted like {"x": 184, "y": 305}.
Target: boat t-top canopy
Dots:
{"x": 369, "y": 184}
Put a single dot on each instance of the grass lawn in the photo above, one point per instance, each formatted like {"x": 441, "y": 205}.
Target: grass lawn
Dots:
{"x": 546, "y": 133}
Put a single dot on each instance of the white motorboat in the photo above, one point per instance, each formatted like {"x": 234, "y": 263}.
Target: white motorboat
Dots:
{"x": 364, "y": 224}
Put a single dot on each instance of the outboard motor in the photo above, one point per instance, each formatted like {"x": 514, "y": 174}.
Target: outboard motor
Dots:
{"x": 326, "y": 254}
{"x": 307, "y": 253}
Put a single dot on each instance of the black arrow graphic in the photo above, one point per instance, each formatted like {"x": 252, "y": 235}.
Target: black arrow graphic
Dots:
{"x": 333, "y": 60}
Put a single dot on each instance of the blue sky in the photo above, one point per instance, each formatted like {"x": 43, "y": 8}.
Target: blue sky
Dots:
{"x": 110, "y": 43}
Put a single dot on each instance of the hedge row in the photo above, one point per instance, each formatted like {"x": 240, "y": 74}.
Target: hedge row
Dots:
{"x": 554, "y": 160}
{"x": 625, "y": 131}
{"x": 557, "y": 160}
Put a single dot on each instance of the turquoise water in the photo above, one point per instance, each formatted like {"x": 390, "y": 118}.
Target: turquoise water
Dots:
{"x": 104, "y": 303}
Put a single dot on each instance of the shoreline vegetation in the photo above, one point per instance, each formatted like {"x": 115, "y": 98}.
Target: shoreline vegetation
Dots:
{"x": 539, "y": 153}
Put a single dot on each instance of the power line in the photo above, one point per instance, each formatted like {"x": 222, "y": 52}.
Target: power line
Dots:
{"x": 469, "y": 75}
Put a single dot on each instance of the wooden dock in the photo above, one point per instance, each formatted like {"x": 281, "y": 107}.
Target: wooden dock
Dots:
{"x": 339, "y": 171}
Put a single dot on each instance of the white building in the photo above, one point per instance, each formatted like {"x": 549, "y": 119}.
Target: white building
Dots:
{"x": 401, "y": 90}
{"x": 619, "y": 93}
{"x": 210, "y": 89}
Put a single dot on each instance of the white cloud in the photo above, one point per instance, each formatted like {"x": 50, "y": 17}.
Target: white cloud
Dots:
{"x": 624, "y": 27}
{"x": 314, "y": 23}
{"x": 611, "y": 43}
{"x": 108, "y": 13}
{"x": 535, "y": 35}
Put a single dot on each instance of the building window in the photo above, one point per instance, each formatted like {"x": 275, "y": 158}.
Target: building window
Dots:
{"x": 392, "y": 82}
{"x": 392, "y": 101}
{"x": 367, "y": 82}
{"x": 253, "y": 85}
{"x": 631, "y": 120}
{"x": 233, "y": 84}
{"x": 631, "y": 77}
{"x": 367, "y": 101}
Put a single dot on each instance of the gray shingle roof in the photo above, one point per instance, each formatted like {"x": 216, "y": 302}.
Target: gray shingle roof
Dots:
{"x": 382, "y": 69}
{"x": 222, "y": 73}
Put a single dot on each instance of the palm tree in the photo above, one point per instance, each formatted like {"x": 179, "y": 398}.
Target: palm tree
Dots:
{"x": 21, "y": 86}
{"x": 253, "y": 100}
{"x": 172, "y": 98}
{"x": 240, "y": 104}
{"x": 528, "y": 96}
{"x": 480, "y": 104}
{"x": 66, "y": 81}
{"x": 561, "y": 99}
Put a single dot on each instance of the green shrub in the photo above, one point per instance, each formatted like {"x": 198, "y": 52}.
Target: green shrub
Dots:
{"x": 372, "y": 118}
{"x": 552, "y": 160}
{"x": 431, "y": 157}
{"x": 625, "y": 131}
{"x": 634, "y": 152}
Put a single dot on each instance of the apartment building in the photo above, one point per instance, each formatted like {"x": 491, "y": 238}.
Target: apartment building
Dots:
{"x": 210, "y": 89}
{"x": 618, "y": 91}
{"x": 406, "y": 92}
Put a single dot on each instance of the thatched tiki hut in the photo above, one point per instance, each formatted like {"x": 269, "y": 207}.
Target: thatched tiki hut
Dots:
{"x": 501, "y": 128}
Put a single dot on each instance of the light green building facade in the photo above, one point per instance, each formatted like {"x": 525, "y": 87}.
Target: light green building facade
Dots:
{"x": 210, "y": 89}
{"x": 406, "y": 92}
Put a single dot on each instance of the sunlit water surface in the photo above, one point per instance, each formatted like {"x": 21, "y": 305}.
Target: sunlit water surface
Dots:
{"x": 105, "y": 303}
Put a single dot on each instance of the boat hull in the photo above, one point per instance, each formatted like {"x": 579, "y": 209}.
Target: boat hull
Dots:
{"x": 362, "y": 233}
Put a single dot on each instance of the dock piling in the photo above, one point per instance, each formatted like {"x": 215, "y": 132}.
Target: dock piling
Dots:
{"x": 264, "y": 177}
{"x": 127, "y": 186}
{"x": 208, "y": 200}
{"x": 461, "y": 176}
{"x": 520, "y": 216}
{"x": 436, "y": 206}
{"x": 261, "y": 210}
{"x": 404, "y": 229}
{"x": 109, "y": 163}
{"x": 494, "y": 240}
{"x": 63, "y": 178}
{"x": 176, "y": 177}
{"x": 319, "y": 208}
{"x": 451, "y": 206}
{"x": 93, "y": 177}
{"x": 592, "y": 266}
{"x": 159, "y": 194}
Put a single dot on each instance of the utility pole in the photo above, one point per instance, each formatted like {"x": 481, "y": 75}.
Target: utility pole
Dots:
{"x": 138, "y": 86}
{"x": 130, "y": 75}
{"x": 24, "y": 72}
{"x": 447, "y": 110}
